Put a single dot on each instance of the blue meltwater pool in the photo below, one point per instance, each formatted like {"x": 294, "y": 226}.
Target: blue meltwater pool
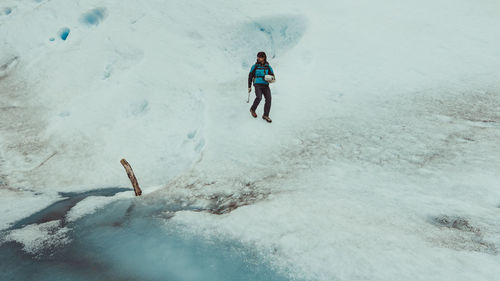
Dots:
{"x": 127, "y": 240}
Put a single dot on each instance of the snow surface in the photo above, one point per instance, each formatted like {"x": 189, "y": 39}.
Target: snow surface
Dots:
{"x": 382, "y": 161}
{"x": 38, "y": 237}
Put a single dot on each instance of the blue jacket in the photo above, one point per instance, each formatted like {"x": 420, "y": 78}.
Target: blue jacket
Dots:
{"x": 262, "y": 69}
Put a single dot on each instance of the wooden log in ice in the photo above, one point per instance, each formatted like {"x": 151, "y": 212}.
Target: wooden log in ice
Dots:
{"x": 131, "y": 176}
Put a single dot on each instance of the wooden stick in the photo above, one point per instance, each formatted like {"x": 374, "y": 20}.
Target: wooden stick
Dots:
{"x": 131, "y": 176}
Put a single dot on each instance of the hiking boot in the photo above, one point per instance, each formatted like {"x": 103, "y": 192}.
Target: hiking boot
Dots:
{"x": 253, "y": 113}
{"x": 267, "y": 118}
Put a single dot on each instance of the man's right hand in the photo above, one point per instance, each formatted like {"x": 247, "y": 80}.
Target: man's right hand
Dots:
{"x": 249, "y": 90}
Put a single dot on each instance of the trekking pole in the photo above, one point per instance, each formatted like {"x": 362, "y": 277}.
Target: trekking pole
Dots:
{"x": 248, "y": 99}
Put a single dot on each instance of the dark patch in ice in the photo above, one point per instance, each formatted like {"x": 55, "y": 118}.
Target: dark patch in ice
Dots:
{"x": 52, "y": 39}
{"x": 131, "y": 240}
{"x": 464, "y": 235}
{"x": 107, "y": 72}
{"x": 139, "y": 108}
{"x": 484, "y": 123}
{"x": 200, "y": 145}
{"x": 8, "y": 107}
{"x": 243, "y": 193}
{"x": 7, "y": 11}
{"x": 45, "y": 160}
{"x": 456, "y": 223}
{"x": 194, "y": 35}
{"x": 191, "y": 134}
{"x": 479, "y": 107}
{"x": 272, "y": 34}
{"x": 7, "y": 64}
{"x": 94, "y": 16}
{"x": 3, "y": 177}
{"x": 64, "y": 33}
{"x": 226, "y": 203}
{"x": 64, "y": 114}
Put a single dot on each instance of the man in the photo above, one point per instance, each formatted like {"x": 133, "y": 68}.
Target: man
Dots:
{"x": 257, "y": 74}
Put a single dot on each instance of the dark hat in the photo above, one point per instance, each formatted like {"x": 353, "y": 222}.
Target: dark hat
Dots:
{"x": 261, "y": 55}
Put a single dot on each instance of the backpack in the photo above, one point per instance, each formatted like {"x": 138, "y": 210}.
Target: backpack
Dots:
{"x": 266, "y": 67}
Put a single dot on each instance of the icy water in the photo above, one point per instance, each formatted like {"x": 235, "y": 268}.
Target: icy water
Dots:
{"x": 129, "y": 240}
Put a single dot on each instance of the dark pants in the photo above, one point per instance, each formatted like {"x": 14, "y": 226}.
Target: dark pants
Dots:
{"x": 259, "y": 91}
